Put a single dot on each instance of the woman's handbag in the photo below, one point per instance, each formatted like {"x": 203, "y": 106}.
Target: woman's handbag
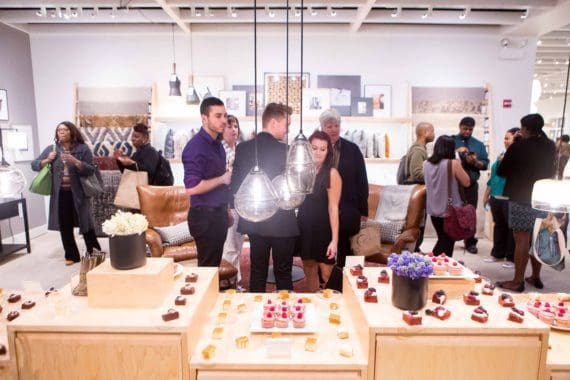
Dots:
{"x": 41, "y": 184}
{"x": 367, "y": 241}
{"x": 459, "y": 223}
{"x": 92, "y": 184}
{"x": 548, "y": 242}
{"x": 127, "y": 196}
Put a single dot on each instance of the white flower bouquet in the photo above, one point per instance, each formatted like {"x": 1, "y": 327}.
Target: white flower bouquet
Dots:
{"x": 125, "y": 223}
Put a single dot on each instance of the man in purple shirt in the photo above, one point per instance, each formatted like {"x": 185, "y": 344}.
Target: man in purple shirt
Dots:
{"x": 206, "y": 178}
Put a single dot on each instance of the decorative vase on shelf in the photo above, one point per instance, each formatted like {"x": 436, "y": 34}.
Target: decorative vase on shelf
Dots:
{"x": 409, "y": 294}
{"x": 127, "y": 251}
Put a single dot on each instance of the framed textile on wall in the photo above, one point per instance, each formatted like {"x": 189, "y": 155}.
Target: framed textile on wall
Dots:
{"x": 276, "y": 89}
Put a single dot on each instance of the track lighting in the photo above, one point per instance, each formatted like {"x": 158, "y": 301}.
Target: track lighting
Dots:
{"x": 525, "y": 14}
{"x": 232, "y": 12}
{"x": 464, "y": 13}
{"x": 67, "y": 14}
{"x": 396, "y": 12}
{"x": 332, "y": 12}
{"x": 113, "y": 12}
{"x": 42, "y": 12}
{"x": 427, "y": 13}
{"x": 270, "y": 12}
{"x": 313, "y": 11}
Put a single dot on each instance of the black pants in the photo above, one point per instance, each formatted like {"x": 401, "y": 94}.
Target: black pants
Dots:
{"x": 281, "y": 250}
{"x": 209, "y": 227}
{"x": 349, "y": 225}
{"x": 472, "y": 196}
{"x": 422, "y": 232}
{"x": 67, "y": 221}
{"x": 444, "y": 243}
{"x": 503, "y": 240}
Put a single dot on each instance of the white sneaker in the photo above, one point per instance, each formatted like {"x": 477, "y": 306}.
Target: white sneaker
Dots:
{"x": 491, "y": 259}
{"x": 508, "y": 265}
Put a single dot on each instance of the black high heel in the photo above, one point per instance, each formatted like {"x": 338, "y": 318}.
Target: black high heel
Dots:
{"x": 511, "y": 285}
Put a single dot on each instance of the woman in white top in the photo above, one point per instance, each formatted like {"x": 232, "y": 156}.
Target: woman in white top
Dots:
{"x": 435, "y": 175}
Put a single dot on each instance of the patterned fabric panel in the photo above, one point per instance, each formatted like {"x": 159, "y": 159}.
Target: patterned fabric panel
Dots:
{"x": 106, "y": 148}
{"x": 111, "y": 121}
{"x": 391, "y": 230}
{"x": 106, "y": 163}
{"x": 103, "y": 207}
{"x": 175, "y": 235}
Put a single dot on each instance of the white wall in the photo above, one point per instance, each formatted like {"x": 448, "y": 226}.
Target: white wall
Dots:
{"x": 127, "y": 56}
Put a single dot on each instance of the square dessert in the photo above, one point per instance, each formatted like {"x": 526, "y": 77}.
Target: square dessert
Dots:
{"x": 472, "y": 298}
{"x": 516, "y": 315}
{"x": 488, "y": 289}
{"x": 383, "y": 278}
{"x": 362, "y": 282}
{"x": 439, "y": 297}
{"x": 439, "y": 312}
{"x": 170, "y": 315}
{"x": 356, "y": 270}
{"x": 311, "y": 344}
{"x": 370, "y": 295}
{"x": 480, "y": 315}
{"x": 412, "y": 317}
{"x": 506, "y": 300}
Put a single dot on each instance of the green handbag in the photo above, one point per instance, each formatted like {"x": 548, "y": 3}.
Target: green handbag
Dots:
{"x": 42, "y": 182}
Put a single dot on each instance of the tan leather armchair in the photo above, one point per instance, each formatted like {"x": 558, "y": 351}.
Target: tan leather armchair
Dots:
{"x": 168, "y": 206}
{"x": 414, "y": 218}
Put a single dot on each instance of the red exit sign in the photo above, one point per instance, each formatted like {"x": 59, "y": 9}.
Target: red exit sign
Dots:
{"x": 507, "y": 103}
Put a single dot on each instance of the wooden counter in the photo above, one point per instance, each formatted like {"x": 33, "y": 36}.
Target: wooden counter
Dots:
{"x": 106, "y": 343}
{"x": 498, "y": 349}
{"x": 253, "y": 363}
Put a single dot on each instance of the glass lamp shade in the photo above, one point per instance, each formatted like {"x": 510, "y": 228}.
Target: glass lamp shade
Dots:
{"x": 300, "y": 169}
{"x": 551, "y": 195}
{"x": 288, "y": 200}
{"x": 174, "y": 84}
{"x": 12, "y": 182}
{"x": 256, "y": 199}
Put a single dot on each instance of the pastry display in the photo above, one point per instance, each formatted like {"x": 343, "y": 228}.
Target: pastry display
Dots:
{"x": 472, "y": 298}
{"x": 12, "y": 315}
{"x": 362, "y": 282}
{"x": 311, "y": 344}
{"x": 439, "y": 297}
{"x": 439, "y": 268}
{"x": 342, "y": 333}
{"x": 13, "y": 298}
{"x": 560, "y": 306}
{"x": 506, "y": 300}
{"x": 488, "y": 289}
{"x": 455, "y": 269}
{"x": 268, "y": 320}
{"x": 516, "y": 315}
{"x": 562, "y": 318}
{"x": 242, "y": 342}
{"x": 187, "y": 290}
{"x": 534, "y": 306}
{"x": 221, "y": 319}
{"x": 383, "y": 277}
{"x": 346, "y": 350}
{"x": 192, "y": 277}
{"x": 170, "y": 315}
{"x": 412, "y": 317}
{"x": 217, "y": 333}
{"x": 546, "y": 315}
{"x": 3, "y": 350}
{"x": 439, "y": 312}
{"x": 370, "y": 295}
{"x": 282, "y": 320}
{"x": 208, "y": 352}
{"x": 356, "y": 270}
{"x": 299, "y": 320}
{"x": 480, "y": 315}
{"x": 241, "y": 308}
{"x": 268, "y": 304}
{"x": 28, "y": 305}
{"x": 297, "y": 309}
{"x": 179, "y": 300}
{"x": 334, "y": 318}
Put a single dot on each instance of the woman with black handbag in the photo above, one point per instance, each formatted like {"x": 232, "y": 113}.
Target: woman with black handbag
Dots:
{"x": 436, "y": 179}
{"x": 319, "y": 216}
{"x": 69, "y": 207}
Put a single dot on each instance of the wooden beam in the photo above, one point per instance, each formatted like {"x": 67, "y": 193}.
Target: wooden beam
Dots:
{"x": 361, "y": 15}
{"x": 545, "y": 22}
{"x": 174, "y": 14}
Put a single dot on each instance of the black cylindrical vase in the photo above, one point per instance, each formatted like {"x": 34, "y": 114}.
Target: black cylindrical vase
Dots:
{"x": 408, "y": 294}
{"x": 127, "y": 251}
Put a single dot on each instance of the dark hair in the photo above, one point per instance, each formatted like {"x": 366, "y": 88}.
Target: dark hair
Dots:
{"x": 565, "y": 138}
{"x": 76, "y": 137}
{"x": 468, "y": 121}
{"x": 141, "y": 128}
{"x": 275, "y": 111}
{"x": 533, "y": 122}
{"x": 209, "y": 102}
{"x": 444, "y": 148}
{"x": 513, "y": 130}
{"x": 323, "y": 179}
{"x": 233, "y": 118}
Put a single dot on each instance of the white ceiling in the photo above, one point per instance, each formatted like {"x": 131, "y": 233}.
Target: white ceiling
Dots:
{"x": 547, "y": 19}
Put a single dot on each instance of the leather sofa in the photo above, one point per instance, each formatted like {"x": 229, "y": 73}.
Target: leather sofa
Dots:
{"x": 168, "y": 206}
{"x": 411, "y": 231}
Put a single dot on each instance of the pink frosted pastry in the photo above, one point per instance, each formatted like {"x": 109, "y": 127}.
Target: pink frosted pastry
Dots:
{"x": 516, "y": 315}
{"x": 546, "y": 315}
{"x": 455, "y": 269}
{"x": 299, "y": 320}
{"x": 534, "y": 306}
{"x": 439, "y": 268}
{"x": 562, "y": 319}
{"x": 560, "y": 306}
{"x": 298, "y": 309}
{"x": 268, "y": 320}
{"x": 282, "y": 320}
{"x": 267, "y": 304}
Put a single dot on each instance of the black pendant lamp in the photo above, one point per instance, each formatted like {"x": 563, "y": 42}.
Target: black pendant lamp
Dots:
{"x": 174, "y": 82}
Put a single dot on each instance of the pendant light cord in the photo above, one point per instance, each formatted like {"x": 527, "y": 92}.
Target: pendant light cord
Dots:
{"x": 287, "y": 72}
{"x": 173, "y": 47}
{"x": 255, "y": 75}
{"x": 559, "y": 175}
{"x": 301, "y": 84}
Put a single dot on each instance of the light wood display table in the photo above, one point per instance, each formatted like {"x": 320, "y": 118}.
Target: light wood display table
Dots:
{"x": 253, "y": 363}
{"x": 74, "y": 341}
{"x": 451, "y": 349}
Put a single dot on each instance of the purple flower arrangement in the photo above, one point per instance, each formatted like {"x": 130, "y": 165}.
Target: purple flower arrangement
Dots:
{"x": 412, "y": 265}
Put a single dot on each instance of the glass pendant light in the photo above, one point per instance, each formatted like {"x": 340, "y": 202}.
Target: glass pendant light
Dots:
{"x": 256, "y": 199}
{"x": 300, "y": 169}
{"x": 552, "y": 194}
{"x": 287, "y": 199}
{"x": 174, "y": 82}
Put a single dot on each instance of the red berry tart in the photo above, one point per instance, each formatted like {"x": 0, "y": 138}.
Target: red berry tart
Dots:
{"x": 506, "y": 300}
{"x": 439, "y": 297}
{"x": 439, "y": 312}
{"x": 356, "y": 270}
{"x": 361, "y": 282}
{"x": 370, "y": 295}
{"x": 383, "y": 278}
{"x": 516, "y": 315}
{"x": 412, "y": 317}
{"x": 268, "y": 320}
{"x": 472, "y": 298}
{"x": 299, "y": 320}
{"x": 480, "y": 315}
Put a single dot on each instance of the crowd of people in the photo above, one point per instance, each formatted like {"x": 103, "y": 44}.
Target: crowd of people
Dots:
{"x": 215, "y": 166}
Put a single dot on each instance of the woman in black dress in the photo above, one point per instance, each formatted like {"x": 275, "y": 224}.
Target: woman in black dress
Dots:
{"x": 318, "y": 215}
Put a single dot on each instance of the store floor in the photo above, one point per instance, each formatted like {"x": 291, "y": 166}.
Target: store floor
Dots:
{"x": 46, "y": 265}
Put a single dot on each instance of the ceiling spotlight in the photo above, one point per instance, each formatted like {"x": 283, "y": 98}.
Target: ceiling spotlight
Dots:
{"x": 556, "y": 62}
{"x": 208, "y": 12}
{"x": 313, "y": 11}
{"x": 505, "y": 42}
{"x": 232, "y": 12}
{"x": 95, "y": 12}
{"x": 332, "y": 11}
{"x": 42, "y": 12}
{"x": 396, "y": 12}
{"x": 67, "y": 14}
{"x": 53, "y": 14}
{"x": 113, "y": 12}
{"x": 525, "y": 14}
{"x": 270, "y": 12}
{"x": 539, "y": 42}
{"x": 427, "y": 13}
{"x": 297, "y": 12}
{"x": 463, "y": 14}
{"x": 59, "y": 13}
{"x": 74, "y": 13}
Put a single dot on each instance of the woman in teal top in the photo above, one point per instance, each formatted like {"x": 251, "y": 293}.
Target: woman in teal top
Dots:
{"x": 503, "y": 241}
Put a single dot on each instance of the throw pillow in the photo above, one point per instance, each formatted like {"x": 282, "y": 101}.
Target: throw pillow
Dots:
{"x": 390, "y": 230}
{"x": 175, "y": 235}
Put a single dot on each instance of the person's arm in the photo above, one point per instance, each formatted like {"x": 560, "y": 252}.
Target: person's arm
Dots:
{"x": 47, "y": 156}
{"x": 361, "y": 183}
{"x": 194, "y": 181}
{"x": 333, "y": 193}
{"x": 416, "y": 165}
{"x": 207, "y": 185}
{"x": 460, "y": 173}
{"x": 487, "y": 195}
{"x": 506, "y": 165}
